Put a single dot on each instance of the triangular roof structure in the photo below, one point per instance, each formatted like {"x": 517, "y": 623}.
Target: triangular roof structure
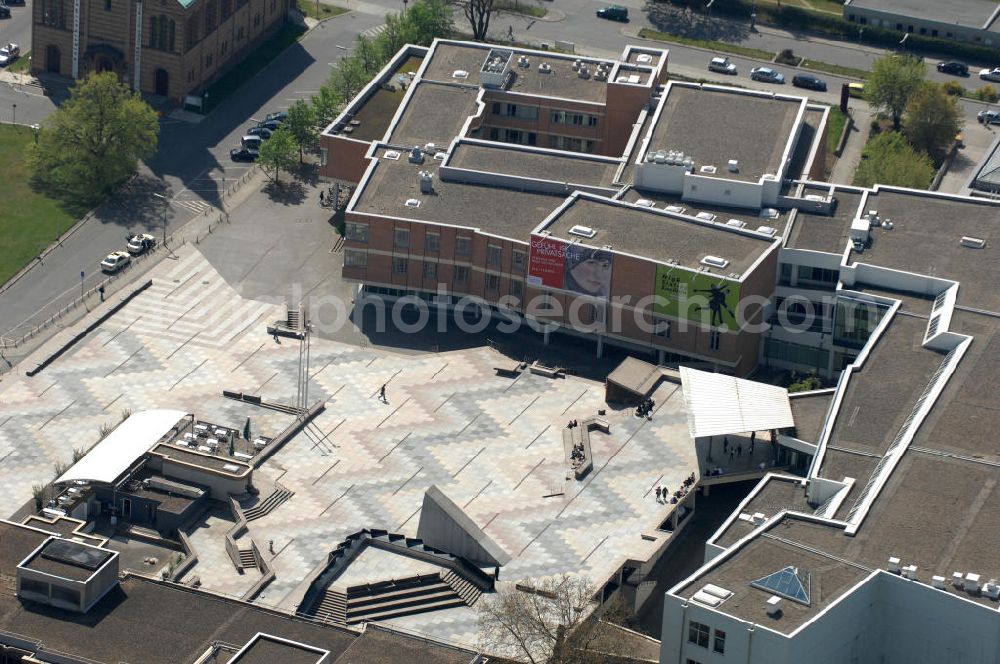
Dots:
{"x": 789, "y": 583}
{"x": 718, "y": 404}
{"x": 445, "y": 526}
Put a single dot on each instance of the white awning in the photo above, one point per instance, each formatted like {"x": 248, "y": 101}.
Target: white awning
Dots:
{"x": 122, "y": 447}
{"x": 718, "y": 404}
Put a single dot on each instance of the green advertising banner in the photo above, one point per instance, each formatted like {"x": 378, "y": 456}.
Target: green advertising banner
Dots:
{"x": 697, "y": 296}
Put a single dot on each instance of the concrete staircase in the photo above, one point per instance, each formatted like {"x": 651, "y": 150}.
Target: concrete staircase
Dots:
{"x": 269, "y": 504}
{"x": 331, "y": 607}
{"x": 403, "y": 597}
{"x": 247, "y": 559}
{"x": 469, "y": 593}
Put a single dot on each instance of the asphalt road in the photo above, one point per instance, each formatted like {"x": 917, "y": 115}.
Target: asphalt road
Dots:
{"x": 189, "y": 168}
{"x": 17, "y": 28}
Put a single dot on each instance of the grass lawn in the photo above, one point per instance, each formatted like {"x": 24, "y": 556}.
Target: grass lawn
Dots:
{"x": 256, "y": 60}
{"x": 835, "y": 69}
{"x": 835, "y": 122}
{"x": 21, "y": 65}
{"x": 724, "y": 47}
{"x": 30, "y": 221}
{"x": 525, "y": 7}
{"x": 325, "y": 10}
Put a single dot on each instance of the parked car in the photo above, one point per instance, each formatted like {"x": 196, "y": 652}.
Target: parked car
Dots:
{"x": 4, "y": 11}
{"x": 722, "y": 65}
{"x": 140, "y": 243}
{"x": 115, "y": 261}
{"x": 279, "y": 116}
{"x": 263, "y": 132}
{"x": 613, "y": 13}
{"x": 953, "y": 68}
{"x": 269, "y": 124}
{"x": 990, "y": 74}
{"x": 251, "y": 142}
{"x": 243, "y": 154}
{"x": 856, "y": 89}
{"x": 766, "y": 75}
{"x": 988, "y": 117}
{"x": 809, "y": 81}
{"x": 9, "y": 53}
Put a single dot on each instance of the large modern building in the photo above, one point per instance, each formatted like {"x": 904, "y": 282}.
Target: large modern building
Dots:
{"x": 173, "y": 48}
{"x": 973, "y": 21}
{"x": 585, "y": 195}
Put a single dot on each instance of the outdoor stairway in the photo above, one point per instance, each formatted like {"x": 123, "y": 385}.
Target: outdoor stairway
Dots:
{"x": 247, "y": 559}
{"x": 268, "y": 505}
{"x": 469, "y": 593}
{"x": 405, "y": 597}
{"x": 332, "y": 607}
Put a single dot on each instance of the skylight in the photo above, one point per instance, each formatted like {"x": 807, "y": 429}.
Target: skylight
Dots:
{"x": 789, "y": 583}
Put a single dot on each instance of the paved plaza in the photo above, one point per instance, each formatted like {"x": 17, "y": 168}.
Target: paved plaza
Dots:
{"x": 491, "y": 444}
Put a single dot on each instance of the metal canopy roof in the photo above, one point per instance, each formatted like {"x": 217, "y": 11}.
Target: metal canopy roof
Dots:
{"x": 122, "y": 447}
{"x": 718, "y": 405}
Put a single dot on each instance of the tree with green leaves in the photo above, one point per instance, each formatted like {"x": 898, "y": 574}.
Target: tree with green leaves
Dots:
{"x": 325, "y": 105}
{"x": 278, "y": 154}
{"x": 893, "y": 81}
{"x": 890, "y": 159}
{"x": 932, "y": 119}
{"x": 301, "y": 124}
{"x": 94, "y": 141}
{"x": 427, "y": 20}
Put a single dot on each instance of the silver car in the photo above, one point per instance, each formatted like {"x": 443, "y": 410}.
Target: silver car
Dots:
{"x": 766, "y": 74}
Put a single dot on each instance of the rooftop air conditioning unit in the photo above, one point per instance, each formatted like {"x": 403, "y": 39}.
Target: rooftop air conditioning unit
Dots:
{"x": 430, "y": 148}
{"x": 973, "y": 242}
{"x": 910, "y": 572}
{"x": 736, "y": 223}
{"x": 426, "y": 182}
{"x": 715, "y": 261}
{"x": 416, "y": 155}
{"x": 544, "y": 68}
{"x": 769, "y": 231}
{"x": 744, "y": 516}
{"x": 972, "y": 582}
{"x": 523, "y": 62}
{"x": 938, "y": 582}
{"x": 392, "y": 155}
{"x": 583, "y": 231}
{"x": 583, "y": 73}
{"x": 992, "y": 589}
{"x": 600, "y": 75}
{"x": 958, "y": 580}
{"x": 734, "y": 166}
{"x": 758, "y": 518}
{"x": 577, "y": 64}
{"x": 774, "y": 607}
{"x": 872, "y": 215}
{"x": 894, "y": 565}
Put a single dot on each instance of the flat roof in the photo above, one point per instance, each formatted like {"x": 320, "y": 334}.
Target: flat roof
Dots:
{"x": 264, "y": 649}
{"x": 776, "y": 493}
{"x": 713, "y": 125}
{"x": 968, "y": 13}
{"x": 433, "y": 113}
{"x": 658, "y": 235}
{"x": 508, "y": 159}
{"x": 209, "y": 461}
{"x": 819, "y": 232}
{"x": 378, "y": 645}
{"x": 447, "y": 57}
{"x": 392, "y": 183}
{"x": 809, "y": 412}
{"x": 752, "y": 217}
{"x": 914, "y": 303}
{"x": 925, "y": 239}
{"x": 68, "y": 559}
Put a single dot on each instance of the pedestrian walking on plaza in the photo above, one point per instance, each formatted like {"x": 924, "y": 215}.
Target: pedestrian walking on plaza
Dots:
{"x": 753, "y": 437}
{"x": 725, "y": 444}
{"x": 510, "y": 32}
{"x": 100, "y": 289}
{"x": 657, "y": 494}
{"x": 381, "y": 394}
{"x": 751, "y": 447}
{"x": 270, "y": 546}
{"x": 739, "y": 450}
{"x": 732, "y": 454}
{"x": 322, "y": 201}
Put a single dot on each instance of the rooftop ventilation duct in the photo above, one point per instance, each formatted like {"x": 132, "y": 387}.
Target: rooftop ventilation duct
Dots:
{"x": 938, "y": 582}
{"x": 992, "y": 589}
{"x": 910, "y": 572}
{"x": 894, "y": 565}
{"x": 958, "y": 580}
{"x": 774, "y": 607}
{"x": 973, "y": 242}
{"x": 734, "y": 166}
{"x": 758, "y": 518}
{"x": 544, "y": 68}
{"x": 972, "y": 582}
{"x": 426, "y": 182}
{"x": 416, "y": 155}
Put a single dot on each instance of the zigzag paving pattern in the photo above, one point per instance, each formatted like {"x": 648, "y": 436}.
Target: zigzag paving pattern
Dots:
{"x": 492, "y": 444}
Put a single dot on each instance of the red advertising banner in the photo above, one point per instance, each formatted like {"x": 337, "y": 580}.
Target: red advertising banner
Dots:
{"x": 546, "y": 262}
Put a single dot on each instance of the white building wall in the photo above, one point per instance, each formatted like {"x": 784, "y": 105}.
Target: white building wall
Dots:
{"x": 721, "y": 191}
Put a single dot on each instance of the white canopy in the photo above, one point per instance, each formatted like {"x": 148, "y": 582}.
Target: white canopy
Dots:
{"x": 122, "y": 447}
{"x": 718, "y": 405}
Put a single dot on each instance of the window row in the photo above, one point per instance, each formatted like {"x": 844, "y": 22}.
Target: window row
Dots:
{"x": 356, "y": 232}
{"x": 519, "y": 111}
{"x": 699, "y": 634}
{"x": 576, "y": 119}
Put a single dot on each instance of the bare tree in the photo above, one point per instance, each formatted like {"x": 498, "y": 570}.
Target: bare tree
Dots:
{"x": 554, "y": 622}
{"x": 479, "y": 13}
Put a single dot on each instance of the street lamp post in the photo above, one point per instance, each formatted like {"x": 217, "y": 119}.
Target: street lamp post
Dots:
{"x": 166, "y": 204}
{"x": 35, "y": 129}
{"x": 14, "y": 115}
{"x": 861, "y": 33}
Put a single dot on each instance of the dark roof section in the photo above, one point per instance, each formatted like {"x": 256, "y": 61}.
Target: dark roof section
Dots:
{"x": 661, "y": 237}
{"x": 777, "y": 494}
{"x": 713, "y": 126}
{"x": 378, "y": 645}
{"x": 434, "y": 113}
{"x": 392, "y": 183}
{"x": 967, "y": 13}
{"x": 514, "y": 160}
{"x": 914, "y": 303}
{"x": 925, "y": 239}
{"x": 819, "y": 232}
{"x": 266, "y": 650}
{"x": 809, "y": 412}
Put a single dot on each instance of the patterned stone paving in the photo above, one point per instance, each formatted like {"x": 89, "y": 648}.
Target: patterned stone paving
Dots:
{"x": 492, "y": 444}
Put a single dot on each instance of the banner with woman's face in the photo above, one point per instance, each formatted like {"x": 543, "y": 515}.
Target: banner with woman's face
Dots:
{"x": 571, "y": 267}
